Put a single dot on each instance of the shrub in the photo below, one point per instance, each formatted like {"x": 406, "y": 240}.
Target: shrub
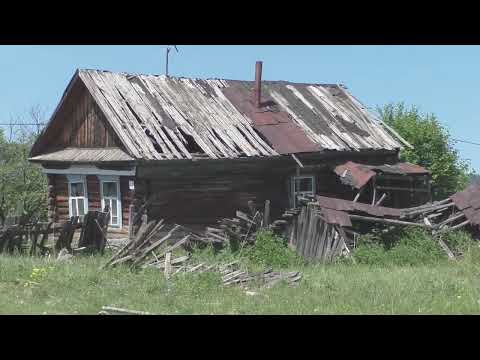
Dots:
{"x": 271, "y": 250}
{"x": 403, "y": 246}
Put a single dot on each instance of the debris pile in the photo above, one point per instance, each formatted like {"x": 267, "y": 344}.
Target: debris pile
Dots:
{"x": 231, "y": 272}
{"x": 326, "y": 227}
{"x": 141, "y": 249}
{"x": 240, "y": 230}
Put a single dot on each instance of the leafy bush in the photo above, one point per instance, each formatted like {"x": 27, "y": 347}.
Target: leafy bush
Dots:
{"x": 268, "y": 250}
{"x": 433, "y": 147}
{"x": 271, "y": 250}
{"x": 404, "y": 246}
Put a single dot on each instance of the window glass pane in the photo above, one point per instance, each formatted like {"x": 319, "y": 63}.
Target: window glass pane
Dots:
{"x": 110, "y": 189}
{"x": 76, "y": 189}
{"x": 114, "y": 207}
{"x": 74, "y": 207}
{"x": 81, "y": 207}
{"x": 114, "y": 220}
{"x": 304, "y": 184}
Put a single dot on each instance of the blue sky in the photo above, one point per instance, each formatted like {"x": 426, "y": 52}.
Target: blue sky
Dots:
{"x": 444, "y": 80}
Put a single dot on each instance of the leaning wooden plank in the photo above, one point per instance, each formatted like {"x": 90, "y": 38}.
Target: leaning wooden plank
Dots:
{"x": 450, "y": 219}
{"x": 121, "y": 260}
{"x": 358, "y": 194}
{"x": 266, "y": 214}
{"x": 447, "y": 229}
{"x": 124, "y": 250}
{"x": 379, "y": 202}
{"x": 244, "y": 217}
{"x": 177, "y": 245}
{"x": 154, "y": 246}
{"x": 446, "y": 249}
{"x": 168, "y": 265}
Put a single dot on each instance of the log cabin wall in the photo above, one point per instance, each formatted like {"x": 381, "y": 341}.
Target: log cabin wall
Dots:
{"x": 59, "y": 197}
{"x": 199, "y": 193}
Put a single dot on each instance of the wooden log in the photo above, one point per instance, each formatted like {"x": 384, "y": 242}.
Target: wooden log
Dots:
{"x": 447, "y": 229}
{"x": 385, "y": 221}
{"x": 449, "y": 220}
{"x": 109, "y": 310}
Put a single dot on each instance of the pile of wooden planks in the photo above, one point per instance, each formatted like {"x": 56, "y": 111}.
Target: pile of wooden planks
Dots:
{"x": 242, "y": 229}
{"x": 233, "y": 275}
{"x": 141, "y": 249}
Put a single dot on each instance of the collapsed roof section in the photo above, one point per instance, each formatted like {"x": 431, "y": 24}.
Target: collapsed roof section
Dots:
{"x": 160, "y": 117}
{"x": 358, "y": 175}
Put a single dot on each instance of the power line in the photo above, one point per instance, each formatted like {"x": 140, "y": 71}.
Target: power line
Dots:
{"x": 467, "y": 142}
{"x": 39, "y": 124}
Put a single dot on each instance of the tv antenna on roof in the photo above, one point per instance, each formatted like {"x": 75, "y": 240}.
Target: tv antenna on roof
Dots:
{"x": 169, "y": 47}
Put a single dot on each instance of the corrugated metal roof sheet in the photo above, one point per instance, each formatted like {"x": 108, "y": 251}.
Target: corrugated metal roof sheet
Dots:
{"x": 159, "y": 117}
{"x": 85, "y": 155}
{"x": 357, "y": 175}
{"x": 468, "y": 201}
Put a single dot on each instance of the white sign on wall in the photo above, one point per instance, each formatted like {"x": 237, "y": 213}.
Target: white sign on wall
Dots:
{"x": 131, "y": 184}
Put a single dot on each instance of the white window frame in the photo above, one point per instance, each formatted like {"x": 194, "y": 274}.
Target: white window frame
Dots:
{"x": 73, "y": 179}
{"x": 116, "y": 179}
{"x": 299, "y": 177}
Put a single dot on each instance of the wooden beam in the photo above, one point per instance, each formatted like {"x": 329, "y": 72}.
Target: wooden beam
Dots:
{"x": 297, "y": 160}
{"x": 385, "y": 221}
{"x": 381, "y": 199}
{"x": 396, "y": 188}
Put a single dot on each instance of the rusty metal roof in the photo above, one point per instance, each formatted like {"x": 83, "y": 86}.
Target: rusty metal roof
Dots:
{"x": 160, "y": 117}
{"x": 357, "y": 175}
{"x": 85, "y": 155}
{"x": 468, "y": 201}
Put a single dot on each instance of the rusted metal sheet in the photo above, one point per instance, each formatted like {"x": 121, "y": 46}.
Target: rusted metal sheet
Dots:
{"x": 354, "y": 174}
{"x": 463, "y": 199}
{"x": 468, "y": 201}
{"x": 287, "y": 138}
{"x": 336, "y": 217}
{"x": 358, "y": 175}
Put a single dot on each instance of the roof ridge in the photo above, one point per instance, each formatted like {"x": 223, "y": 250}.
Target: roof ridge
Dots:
{"x": 205, "y": 79}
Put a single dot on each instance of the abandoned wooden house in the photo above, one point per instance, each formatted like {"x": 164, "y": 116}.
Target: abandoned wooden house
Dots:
{"x": 197, "y": 150}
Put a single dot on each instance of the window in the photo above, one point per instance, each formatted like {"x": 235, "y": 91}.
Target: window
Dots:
{"x": 110, "y": 192}
{"x": 302, "y": 185}
{"x": 78, "y": 200}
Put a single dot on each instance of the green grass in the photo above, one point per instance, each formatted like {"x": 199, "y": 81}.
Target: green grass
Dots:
{"x": 79, "y": 287}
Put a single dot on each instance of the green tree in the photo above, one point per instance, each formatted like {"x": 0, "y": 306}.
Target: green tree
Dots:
{"x": 433, "y": 148}
{"x": 23, "y": 187}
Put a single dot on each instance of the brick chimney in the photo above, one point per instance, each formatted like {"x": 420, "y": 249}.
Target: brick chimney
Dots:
{"x": 257, "y": 90}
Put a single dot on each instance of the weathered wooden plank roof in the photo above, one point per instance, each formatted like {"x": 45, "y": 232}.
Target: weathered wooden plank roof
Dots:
{"x": 84, "y": 155}
{"x": 159, "y": 117}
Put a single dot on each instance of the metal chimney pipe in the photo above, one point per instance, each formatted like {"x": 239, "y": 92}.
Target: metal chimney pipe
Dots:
{"x": 257, "y": 92}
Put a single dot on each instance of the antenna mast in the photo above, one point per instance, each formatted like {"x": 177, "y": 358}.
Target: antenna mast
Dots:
{"x": 166, "y": 55}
